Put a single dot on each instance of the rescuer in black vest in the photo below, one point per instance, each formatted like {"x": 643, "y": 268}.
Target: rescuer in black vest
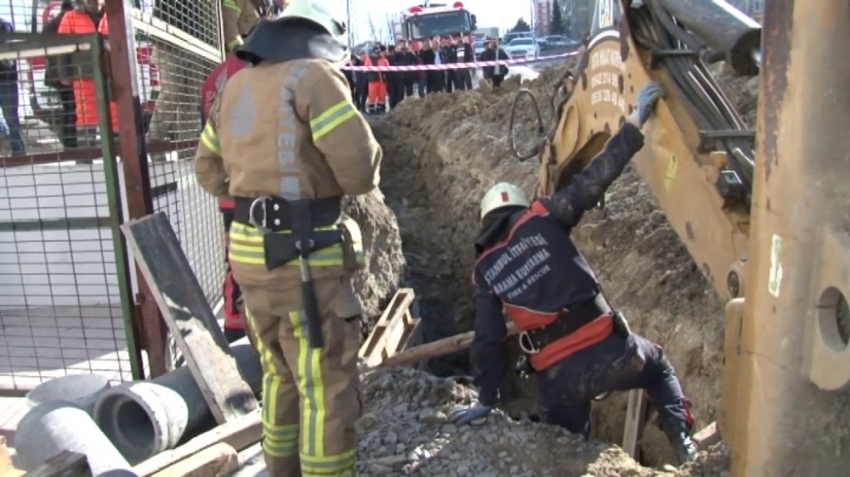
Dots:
{"x": 529, "y": 269}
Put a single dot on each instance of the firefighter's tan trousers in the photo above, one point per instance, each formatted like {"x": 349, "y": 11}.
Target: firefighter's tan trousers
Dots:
{"x": 319, "y": 440}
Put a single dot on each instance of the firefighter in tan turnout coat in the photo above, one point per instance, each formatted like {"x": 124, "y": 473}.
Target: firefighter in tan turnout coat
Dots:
{"x": 286, "y": 141}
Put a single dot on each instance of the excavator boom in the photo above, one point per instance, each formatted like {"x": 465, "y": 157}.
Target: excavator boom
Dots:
{"x": 698, "y": 158}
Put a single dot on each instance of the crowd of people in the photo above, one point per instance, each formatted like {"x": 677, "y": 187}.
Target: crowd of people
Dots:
{"x": 376, "y": 92}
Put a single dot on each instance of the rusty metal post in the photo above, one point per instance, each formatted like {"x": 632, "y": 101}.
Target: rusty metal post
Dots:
{"x": 791, "y": 417}
{"x": 133, "y": 153}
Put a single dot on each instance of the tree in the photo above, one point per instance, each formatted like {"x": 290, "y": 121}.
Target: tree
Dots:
{"x": 520, "y": 26}
{"x": 556, "y": 23}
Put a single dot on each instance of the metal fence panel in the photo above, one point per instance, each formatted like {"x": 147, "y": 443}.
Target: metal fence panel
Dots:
{"x": 63, "y": 277}
{"x": 186, "y": 46}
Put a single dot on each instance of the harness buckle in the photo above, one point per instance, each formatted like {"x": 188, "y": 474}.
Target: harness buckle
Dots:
{"x": 526, "y": 345}
{"x": 262, "y": 225}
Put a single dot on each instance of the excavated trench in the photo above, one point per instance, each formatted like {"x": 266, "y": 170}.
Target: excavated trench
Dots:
{"x": 443, "y": 152}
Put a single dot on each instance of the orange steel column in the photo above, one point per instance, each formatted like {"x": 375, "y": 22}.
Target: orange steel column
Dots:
{"x": 786, "y": 408}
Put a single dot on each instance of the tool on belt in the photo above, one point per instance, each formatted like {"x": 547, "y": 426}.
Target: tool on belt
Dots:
{"x": 301, "y": 217}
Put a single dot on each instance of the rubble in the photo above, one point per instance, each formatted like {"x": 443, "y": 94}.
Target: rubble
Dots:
{"x": 404, "y": 431}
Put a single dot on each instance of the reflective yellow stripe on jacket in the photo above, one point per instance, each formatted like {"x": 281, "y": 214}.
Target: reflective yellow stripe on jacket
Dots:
{"x": 246, "y": 246}
{"x": 329, "y": 120}
{"x": 210, "y": 138}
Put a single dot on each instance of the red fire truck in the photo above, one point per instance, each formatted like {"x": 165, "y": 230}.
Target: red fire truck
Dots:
{"x": 433, "y": 19}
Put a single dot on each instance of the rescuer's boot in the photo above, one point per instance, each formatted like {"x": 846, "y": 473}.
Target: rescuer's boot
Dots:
{"x": 679, "y": 435}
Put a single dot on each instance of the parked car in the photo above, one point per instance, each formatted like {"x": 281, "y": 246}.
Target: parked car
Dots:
{"x": 480, "y": 46}
{"x": 508, "y": 37}
{"x": 522, "y": 48}
{"x": 541, "y": 42}
{"x": 560, "y": 41}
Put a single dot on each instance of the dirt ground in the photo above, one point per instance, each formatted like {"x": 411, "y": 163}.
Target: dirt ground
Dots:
{"x": 443, "y": 152}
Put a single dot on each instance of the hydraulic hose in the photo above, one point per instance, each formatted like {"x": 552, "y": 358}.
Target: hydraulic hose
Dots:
{"x": 560, "y": 96}
{"x": 541, "y": 130}
{"x": 655, "y": 29}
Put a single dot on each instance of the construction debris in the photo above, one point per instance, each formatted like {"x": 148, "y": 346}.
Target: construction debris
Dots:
{"x": 404, "y": 430}
{"x": 144, "y": 418}
{"x": 392, "y": 331}
{"x": 189, "y": 317}
{"x": 56, "y": 426}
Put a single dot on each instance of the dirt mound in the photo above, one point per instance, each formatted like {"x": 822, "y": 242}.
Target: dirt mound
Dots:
{"x": 443, "y": 152}
{"x": 378, "y": 280}
{"x": 404, "y": 431}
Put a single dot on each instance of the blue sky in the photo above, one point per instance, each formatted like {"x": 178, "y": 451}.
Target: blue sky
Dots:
{"x": 499, "y": 13}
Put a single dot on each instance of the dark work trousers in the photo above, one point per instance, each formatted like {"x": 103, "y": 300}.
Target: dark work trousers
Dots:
{"x": 362, "y": 89}
{"x": 566, "y": 389}
{"x": 232, "y": 292}
{"x": 464, "y": 79}
{"x": 392, "y": 92}
{"x": 450, "y": 81}
{"x": 436, "y": 81}
{"x": 68, "y": 121}
{"x": 420, "y": 86}
{"x": 497, "y": 80}
{"x": 408, "y": 87}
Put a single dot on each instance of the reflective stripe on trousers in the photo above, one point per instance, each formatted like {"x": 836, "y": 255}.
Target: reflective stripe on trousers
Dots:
{"x": 310, "y": 400}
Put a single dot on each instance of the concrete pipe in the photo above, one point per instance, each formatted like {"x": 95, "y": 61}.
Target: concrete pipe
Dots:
{"x": 55, "y": 426}
{"x": 144, "y": 418}
{"x": 80, "y": 389}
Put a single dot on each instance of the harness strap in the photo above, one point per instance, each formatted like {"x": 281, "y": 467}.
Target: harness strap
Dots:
{"x": 570, "y": 321}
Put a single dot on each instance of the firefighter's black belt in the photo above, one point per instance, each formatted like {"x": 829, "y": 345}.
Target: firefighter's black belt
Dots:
{"x": 281, "y": 249}
{"x": 276, "y": 215}
{"x": 532, "y": 341}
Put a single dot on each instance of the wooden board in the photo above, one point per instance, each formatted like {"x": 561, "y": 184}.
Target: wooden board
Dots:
{"x": 63, "y": 464}
{"x": 392, "y": 330}
{"x": 218, "y": 460}
{"x": 707, "y": 437}
{"x": 7, "y": 469}
{"x": 433, "y": 349}
{"x": 635, "y": 420}
{"x": 189, "y": 317}
{"x": 238, "y": 434}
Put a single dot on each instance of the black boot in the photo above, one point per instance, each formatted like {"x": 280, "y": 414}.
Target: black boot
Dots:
{"x": 679, "y": 435}
{"x": 233, "y": 334}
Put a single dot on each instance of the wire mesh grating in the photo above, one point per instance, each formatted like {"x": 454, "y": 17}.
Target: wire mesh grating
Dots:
{"x": 62, "y": 310}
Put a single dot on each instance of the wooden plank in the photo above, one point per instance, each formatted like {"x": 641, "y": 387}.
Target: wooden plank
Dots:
{"x": 63, "y": 464}
{"x": 635, "y": 420}
{"x": 7, "y": 468}
{"x": 218, "y": 460}
{"x": 708, "y": 436}
{"x": 410, "y": 325}
{"x": 388, "y": 330}
{"x": 435, "y": 348}
{"x": 238, "y": 434}
{"x": 189, "y": 316}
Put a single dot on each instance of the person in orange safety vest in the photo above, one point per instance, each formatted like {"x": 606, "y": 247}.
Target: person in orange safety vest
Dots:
{"x": 87, "y": 17}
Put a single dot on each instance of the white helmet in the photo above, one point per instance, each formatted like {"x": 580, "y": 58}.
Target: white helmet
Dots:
{"x": 319, "y": 12}
{"x": 501, "y": 195}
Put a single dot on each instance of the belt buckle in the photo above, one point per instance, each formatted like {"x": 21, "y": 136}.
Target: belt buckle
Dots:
{"x": 259, "y": 201}
{"x": 526, "y": 345}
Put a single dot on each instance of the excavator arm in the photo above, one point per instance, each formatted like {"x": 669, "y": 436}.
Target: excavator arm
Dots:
{"x": 698, "y": 154}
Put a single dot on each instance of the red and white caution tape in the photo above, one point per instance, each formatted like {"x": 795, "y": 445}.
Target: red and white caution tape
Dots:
{"x": 455, "y": 66}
